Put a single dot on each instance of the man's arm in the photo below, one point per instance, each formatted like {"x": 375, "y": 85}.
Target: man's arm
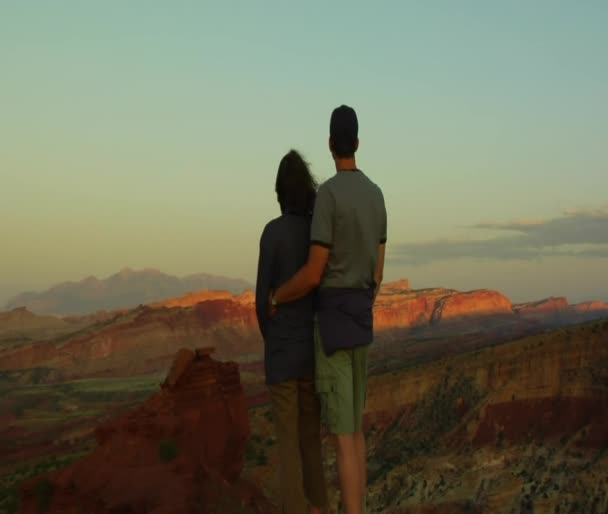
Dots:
{"x": 321, "y": 237}
{"x": 379, "y": 275}
{"x": 305, "y": 280}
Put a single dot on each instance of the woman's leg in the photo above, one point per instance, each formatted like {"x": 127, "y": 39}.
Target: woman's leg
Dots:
{"x": 285, "y": 404}
{"x": 310, "y": 444}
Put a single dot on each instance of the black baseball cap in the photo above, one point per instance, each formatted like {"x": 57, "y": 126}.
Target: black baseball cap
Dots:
{"x": 344, "y": 130}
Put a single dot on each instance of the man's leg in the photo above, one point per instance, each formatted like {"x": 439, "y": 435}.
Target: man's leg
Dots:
{"x": 361, "y": 451}
{"x": 349, "y": 473}
{"x": 360, "y": 364}
{"x": 310, "y": 445}
{"x": 335, "y": 386}
{"x": 284, "y": 398}
{"x": 357, "y": 439}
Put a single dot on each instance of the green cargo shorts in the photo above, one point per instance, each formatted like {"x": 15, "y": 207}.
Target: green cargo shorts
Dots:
{"x": 341, "y": 381}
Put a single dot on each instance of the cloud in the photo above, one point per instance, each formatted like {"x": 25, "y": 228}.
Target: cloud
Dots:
{"x": 577, "y": 233}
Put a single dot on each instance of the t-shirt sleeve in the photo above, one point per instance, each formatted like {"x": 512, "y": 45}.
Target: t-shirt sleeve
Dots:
{"x": 322, "y": 228}
{"x": 383, "y": 222}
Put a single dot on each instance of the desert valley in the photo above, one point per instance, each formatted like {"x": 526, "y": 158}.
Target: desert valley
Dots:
{"x": 476, "y": 405}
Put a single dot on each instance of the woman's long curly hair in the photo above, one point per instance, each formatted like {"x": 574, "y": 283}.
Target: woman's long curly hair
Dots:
{"x": 296, "y": 188}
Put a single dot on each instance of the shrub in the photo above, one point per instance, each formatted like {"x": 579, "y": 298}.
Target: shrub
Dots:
{"x": 44, "y": 495}
{"x": 500, "y": 440}
{"x": 167, "y": 450}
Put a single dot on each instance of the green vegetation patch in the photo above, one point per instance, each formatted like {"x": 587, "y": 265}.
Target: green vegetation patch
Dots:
{"x": 167, "y": 450}
{"x": 40, "y": 404}
{"x": 44, "y": 495}
{"x": 256, "y": 452}
{"x": 41, "y": 408}
{"x": 10, "y": 484}
{"x": 419, "y": 432}
{"x": 437, "y": 412}
{"x": 131, "y": 384}
{"x": 261, "y": 446}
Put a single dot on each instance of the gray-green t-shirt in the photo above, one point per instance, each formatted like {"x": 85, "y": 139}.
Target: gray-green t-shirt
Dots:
{"x": 350, "y": 219}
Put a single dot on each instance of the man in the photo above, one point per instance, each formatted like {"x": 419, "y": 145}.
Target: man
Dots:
{"x": 346, "y": 259}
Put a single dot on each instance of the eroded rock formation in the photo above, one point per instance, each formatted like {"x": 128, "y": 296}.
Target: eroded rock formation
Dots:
{"x": 545, "y": 385}
{"x": 398, "y": 306}
{"x": 182, "y": 451}
{"x": 474, "y": 303}
{"x": 551, "y": 305}
{"x": 517, "y": 427}
{"x": 144, "y": 340}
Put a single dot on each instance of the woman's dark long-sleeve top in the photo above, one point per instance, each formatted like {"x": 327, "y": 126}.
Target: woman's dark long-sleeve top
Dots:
{"x": 288, "y": 336}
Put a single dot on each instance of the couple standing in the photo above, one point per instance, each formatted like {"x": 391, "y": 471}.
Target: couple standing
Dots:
{"x": 319, "y": 270}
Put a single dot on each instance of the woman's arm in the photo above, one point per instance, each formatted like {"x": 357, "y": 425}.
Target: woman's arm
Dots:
{"x": 264, "y": 280}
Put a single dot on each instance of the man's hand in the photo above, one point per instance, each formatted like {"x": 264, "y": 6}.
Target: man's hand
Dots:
{"x": 272, "y": 309}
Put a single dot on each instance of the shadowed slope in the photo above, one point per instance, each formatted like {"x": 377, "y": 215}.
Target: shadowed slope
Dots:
{"x": 181, "y": 452}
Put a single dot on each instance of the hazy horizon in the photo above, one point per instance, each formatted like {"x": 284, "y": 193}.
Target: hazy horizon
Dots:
{"x": 515, "y": 299}
{"x": 148, "y": 136}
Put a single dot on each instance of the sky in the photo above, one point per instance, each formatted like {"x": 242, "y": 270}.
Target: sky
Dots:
{"x": 148, "y": 134}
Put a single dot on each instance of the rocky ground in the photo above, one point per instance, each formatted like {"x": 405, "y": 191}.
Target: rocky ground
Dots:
{"x": 516, "y": 429}
{"x": 474, "y": 405}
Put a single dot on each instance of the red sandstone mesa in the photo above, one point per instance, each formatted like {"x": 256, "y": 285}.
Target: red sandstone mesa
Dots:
{"x": 400, "y": 307}
{"x": 180, "y": 452}
{"x": 143, "y": 340}
{"x": 591, "y": 307}
{"x": 474, "y": 303}
{"x": 547, "y": 306}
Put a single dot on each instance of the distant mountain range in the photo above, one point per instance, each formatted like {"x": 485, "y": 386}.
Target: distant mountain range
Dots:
{"x": 125, "y": 289}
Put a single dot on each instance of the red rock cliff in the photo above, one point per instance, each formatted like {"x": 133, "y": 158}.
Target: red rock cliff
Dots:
{"x": 551, "y": 305}
{"x": 474, "y": 303}
{"x": 180, "y": 452}
{"x": 591, "y": 307}
{"x": 398, "y": 306}
{"x": 551, "y": 384}
{"x": 145, "y": 339}
{"x": 403, "y": 308}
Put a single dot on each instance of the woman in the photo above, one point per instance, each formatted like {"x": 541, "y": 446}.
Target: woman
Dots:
{"x": 288, "y": 341}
